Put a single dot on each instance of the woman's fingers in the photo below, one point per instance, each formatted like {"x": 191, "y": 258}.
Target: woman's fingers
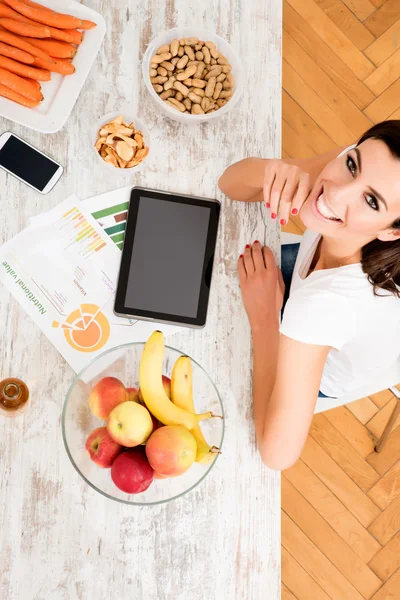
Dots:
{"x": 286, "y": 188}
{"x": 251, "y": 261}
{"x": 287, "y": 197}
{"x": 303, "y": 190}
{"x": 248, "y": 260}
{"x": 276, "y": 191}
{"x": 258, "y": 258}
{"x": 269, "y": 259}
{"x": 269, "y": 178}
{"x": 241, "y": 270}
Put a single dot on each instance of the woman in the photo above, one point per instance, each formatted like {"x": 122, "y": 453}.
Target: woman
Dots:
{"x": 341, "y": 323}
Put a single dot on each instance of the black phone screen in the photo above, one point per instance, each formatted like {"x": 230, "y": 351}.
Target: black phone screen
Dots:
{"x": 27, "y": 163}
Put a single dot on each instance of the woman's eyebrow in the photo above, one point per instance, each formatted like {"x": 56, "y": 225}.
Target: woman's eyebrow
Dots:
{"x": 377, "y": 194}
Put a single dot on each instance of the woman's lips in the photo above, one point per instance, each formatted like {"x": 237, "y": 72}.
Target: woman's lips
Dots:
{"x": 316, "y": 212}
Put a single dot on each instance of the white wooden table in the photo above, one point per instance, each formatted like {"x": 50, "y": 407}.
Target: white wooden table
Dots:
{"x": 59, "y": 539}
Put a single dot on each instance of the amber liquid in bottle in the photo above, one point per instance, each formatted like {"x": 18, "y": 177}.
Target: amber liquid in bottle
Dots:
{"x": 14, "y": 396}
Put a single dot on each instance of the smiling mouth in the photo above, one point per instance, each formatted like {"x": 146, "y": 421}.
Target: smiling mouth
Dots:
{"x": 324, "y": 209}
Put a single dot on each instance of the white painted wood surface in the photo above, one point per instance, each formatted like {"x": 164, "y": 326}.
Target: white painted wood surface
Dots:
{"x": 59, "y": 539}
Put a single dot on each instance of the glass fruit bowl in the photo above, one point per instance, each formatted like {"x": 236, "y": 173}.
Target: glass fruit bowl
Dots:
{"x": 78, "y": 422}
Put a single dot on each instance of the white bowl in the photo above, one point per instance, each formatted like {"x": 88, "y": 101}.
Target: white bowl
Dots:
{"x": 128, "y": 118}
{"x": 221, "y": 44}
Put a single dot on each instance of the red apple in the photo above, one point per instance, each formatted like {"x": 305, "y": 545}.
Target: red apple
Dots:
{"x": 131, "y": 472}
{"x": 101, "y": 448}
{"x": 106, "y": 395}
{"x": 171, "y": 450}
{"x": 134, "y": 395}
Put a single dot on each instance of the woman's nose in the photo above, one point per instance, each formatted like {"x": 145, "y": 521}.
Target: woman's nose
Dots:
{"x": 336, "y": 193}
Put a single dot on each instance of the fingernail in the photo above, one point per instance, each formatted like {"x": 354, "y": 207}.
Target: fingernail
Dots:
{"x": 256, "y": 242}
{"x": 273, "y": 216}
{"x": 241, "y": 256}
{"x": 247, "y": 245}
{"x": 294, "y": 211}
{"x": 283, "y": 222}
{"x": 267, "y": 204}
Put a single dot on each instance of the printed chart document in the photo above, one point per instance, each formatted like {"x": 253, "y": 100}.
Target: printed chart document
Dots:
{"x": 63, "y": 269}
{"x": 110, "y": 210}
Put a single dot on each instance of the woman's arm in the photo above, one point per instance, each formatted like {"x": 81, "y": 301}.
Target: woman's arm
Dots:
{"x": 286, "y": 378}
{"x": 286, "y": 373}
{"x": 244, "y": 180}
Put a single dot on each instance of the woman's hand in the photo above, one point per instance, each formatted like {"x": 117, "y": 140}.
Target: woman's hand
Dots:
{"x": 286, "y": 188}
{"x": 262, "y": 285}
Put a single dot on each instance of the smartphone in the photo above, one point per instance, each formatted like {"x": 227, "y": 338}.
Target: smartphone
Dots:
{"x": 28, "y": 164}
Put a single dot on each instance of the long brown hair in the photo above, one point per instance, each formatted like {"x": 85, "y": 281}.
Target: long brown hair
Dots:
{"x": 381, "y": 260}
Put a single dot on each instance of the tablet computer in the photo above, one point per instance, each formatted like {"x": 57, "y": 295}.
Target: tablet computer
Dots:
{"x": 167, "y": 258}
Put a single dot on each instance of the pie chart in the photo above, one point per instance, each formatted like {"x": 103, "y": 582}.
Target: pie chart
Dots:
{"x": 86, "y": 329}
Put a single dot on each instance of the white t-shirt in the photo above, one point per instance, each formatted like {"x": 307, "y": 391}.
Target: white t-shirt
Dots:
{"x": 337, "y": 308}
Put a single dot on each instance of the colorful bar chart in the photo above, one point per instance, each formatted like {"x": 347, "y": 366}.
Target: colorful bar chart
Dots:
{"x": 113, "y": 220}
{"x": 81, "y": 232}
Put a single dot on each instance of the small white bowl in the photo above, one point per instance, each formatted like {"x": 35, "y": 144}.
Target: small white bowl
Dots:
{"x": 221, "y": 44}
{"x": 128, "y": 118}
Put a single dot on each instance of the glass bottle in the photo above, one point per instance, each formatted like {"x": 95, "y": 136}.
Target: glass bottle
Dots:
{"x": 14, "y": 396}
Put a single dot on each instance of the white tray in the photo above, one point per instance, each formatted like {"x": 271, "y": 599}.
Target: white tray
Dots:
{"x": 61, "y": 93}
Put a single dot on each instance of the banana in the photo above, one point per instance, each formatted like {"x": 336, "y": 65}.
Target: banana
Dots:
{"x": 182, "y": 396}
{"x": 152, "y": 389}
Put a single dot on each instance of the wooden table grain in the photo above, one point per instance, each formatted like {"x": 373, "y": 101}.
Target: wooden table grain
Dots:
{"x": 59, "y": 539}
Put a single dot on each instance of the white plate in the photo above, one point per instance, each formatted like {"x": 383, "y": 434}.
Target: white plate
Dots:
{"x": 61, "y": 93}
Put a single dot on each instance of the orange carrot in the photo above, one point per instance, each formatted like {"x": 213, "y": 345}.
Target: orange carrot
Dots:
{"x": 71, "y": 36}
{"x": 56, "y": 66}
{"x": 36, "y": 5}
{"x": 8, "y": 13}
{"x": 78, "y": 38}
{"x": 55, "y": 49}
{"x": 16, "y": 54}
{"x": 23, "y": 70}
{"x": 54, "y": 19}
{"x": 35, "y": 83}
{"x": 17, "y": 42}
{"x": 20, "y": 85}
{"x": 15, "y": 97}
{"x": 87, "y": 25}
{"x": 26, "y": 29}
{"x": 65, "y": 60}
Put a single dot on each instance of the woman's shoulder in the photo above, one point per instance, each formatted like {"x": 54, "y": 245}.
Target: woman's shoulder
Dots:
{"x": 318, "y": 312}
{"x": 346, "y": 289}
{"x": 338, "y": 290}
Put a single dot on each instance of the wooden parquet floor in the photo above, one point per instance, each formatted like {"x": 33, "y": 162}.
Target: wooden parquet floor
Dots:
{"x": 341, "y": 501}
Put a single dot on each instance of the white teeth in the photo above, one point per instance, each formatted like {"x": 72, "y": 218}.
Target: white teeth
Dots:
{"x": 324, "y": 210}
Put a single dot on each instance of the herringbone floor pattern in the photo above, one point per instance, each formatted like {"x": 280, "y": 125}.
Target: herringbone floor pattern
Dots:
{"x": 341, "y": 501}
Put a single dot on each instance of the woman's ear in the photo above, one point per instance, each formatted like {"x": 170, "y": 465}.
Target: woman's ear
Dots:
{"x": 389, "y": 235}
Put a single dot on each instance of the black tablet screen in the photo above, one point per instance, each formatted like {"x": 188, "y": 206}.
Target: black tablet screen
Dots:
{"x": 167, "y": 260}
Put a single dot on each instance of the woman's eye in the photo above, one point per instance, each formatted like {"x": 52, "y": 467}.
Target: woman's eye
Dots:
{"x": 372, "y": 201}
{"x": 351, "y": 165}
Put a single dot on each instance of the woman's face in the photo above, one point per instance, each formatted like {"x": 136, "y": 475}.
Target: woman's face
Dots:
{"x": 356, "y": 195}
